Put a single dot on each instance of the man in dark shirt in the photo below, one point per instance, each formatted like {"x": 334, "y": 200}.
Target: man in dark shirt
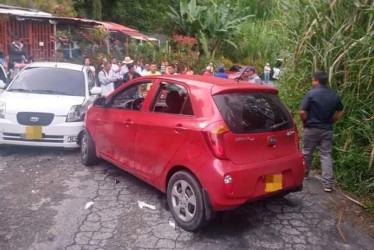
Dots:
{"x": 17, "y": 51}
{"x": 319, "y": 109}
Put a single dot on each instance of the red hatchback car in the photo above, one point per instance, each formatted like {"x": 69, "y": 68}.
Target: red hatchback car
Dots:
{"x": 211, "y": 144}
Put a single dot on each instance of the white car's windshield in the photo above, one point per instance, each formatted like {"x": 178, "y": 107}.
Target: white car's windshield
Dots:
{"x": 55, "y": 81}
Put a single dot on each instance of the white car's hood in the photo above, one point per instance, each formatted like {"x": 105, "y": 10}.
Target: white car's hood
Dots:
{"x": 26, "y": 102}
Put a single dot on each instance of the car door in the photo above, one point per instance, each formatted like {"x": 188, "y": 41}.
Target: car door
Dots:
{"x": 163, "y": 129}
{"x": 118, "y": 124}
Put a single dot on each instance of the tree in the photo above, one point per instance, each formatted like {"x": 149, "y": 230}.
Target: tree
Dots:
{"x": 215, "y": 23}
{"x": 143, "y": 15}
{"x": 89, "y": 8}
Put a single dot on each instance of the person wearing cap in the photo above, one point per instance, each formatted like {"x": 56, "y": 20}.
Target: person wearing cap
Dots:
{"x": 17, "y": 51}
{"x": 252, "y": 76}
{"x": 221, "y": 72}
{"x": 267, "y": 70}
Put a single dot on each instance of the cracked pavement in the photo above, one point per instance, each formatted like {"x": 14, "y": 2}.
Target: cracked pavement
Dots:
{"x": 43, "y": 194}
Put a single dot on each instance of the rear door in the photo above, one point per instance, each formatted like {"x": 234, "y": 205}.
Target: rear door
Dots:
{"x": 261, "y": 127}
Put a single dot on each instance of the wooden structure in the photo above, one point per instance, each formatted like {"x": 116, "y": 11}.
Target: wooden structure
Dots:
{"x": 34, "y": 28}
{"x": 37, "y": 31}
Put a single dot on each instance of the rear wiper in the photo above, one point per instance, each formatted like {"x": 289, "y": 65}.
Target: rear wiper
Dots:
{"x": 275, "y": 126}
{"x": 20, "y": 90}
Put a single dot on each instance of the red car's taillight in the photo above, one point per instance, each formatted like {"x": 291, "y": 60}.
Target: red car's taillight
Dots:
{"x": 213, "y": 135}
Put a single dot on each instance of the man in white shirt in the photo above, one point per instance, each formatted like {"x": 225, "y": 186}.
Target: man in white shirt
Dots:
{"x": 146, "y": 69}
{"x": 87, "y": 63}
{"x": 107, "y": 79}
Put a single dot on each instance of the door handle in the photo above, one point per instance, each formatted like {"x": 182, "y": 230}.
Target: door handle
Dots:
{"x": 179, "y": 128}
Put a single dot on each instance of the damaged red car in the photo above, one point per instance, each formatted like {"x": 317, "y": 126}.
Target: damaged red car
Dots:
{"x": 210, "y": 144}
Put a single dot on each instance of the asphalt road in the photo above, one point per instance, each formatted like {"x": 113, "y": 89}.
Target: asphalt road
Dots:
{"x": 44, "y": 192}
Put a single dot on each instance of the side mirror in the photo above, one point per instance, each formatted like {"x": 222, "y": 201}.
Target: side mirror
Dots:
{"x": 95, "y": 91}
{"x": 99, "y": 102}
{"x": 2, "y": 84}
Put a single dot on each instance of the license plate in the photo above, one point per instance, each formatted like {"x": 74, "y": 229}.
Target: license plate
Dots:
{"x": 33, "y": 133}
{"x": 273, "y": 182}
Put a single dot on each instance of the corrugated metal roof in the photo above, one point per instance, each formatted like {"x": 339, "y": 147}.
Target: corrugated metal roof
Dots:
{"x": 17, "y": 11}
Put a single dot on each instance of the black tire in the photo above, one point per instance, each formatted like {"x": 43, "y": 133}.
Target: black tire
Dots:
{"x": 187, "y": 206}
{"x": 88, "y": 150}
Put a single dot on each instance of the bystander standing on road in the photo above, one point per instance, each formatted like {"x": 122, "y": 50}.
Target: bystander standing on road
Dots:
{"x": 138, "y": 67}
{"x": 2, "y": 58}
{"x": 267, "y": 70}
{"x": 171, "y": 69}
{"x": 221, "y": 72}
{"x": 17, "y": 51}
{"x": 208, "y": 71}
{"x": 124, "y": 68}
{"x": 107, "y": 79}
{"x": 147, "y": 68}
{"x": 320, "y": 107}
{"x": 153, "y": 70}
{"x": 211, "y": 67}
{"x": 252, "y": 76}
{"x": 87, "y": 63}
{"x": 131, "y": 74}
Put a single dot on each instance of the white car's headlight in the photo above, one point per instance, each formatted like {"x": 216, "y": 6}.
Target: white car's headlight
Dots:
{"x": 76, "y": 114}
{"x": 2, "y": 110}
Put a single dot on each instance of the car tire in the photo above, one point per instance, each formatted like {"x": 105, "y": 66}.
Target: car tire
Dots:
{"x": 185, "y": 200}
{"x": 88, "y": 150}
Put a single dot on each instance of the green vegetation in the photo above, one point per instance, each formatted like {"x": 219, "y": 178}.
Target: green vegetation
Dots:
{"x": 214, "y": 24}
{"x": 336, "y": 36}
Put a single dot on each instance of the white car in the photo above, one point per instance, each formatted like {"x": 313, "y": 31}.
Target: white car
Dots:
{"x": 45, "y": 105}
{"x": 277, "y": 69}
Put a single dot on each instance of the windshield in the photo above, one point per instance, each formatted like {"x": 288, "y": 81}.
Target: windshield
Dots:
{"x": 55, "y": 81}
{"x": 253, "y": 112}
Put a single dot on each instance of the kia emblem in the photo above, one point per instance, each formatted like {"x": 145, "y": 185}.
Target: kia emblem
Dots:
{"x": 34, "y": 119}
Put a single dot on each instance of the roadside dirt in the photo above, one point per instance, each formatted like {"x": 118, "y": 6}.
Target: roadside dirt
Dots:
{"x": 348, "y": 209}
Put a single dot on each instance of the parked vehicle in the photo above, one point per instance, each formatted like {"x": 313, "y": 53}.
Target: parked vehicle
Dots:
{"x": 277, "y": 69}
{"x": 237, "y": 71}
{"x": 45, "y": 105}
{"x": 211, "y": 144}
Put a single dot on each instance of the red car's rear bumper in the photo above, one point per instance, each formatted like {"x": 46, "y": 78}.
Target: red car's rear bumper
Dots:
{"x": 249, "y": 180}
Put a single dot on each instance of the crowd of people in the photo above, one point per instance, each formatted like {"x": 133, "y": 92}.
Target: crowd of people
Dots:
{"x": 16, "y": 59}
{"x": 114, "y": 73}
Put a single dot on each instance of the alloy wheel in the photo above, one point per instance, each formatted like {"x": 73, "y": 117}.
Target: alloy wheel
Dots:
{"x": 183, "y": 200}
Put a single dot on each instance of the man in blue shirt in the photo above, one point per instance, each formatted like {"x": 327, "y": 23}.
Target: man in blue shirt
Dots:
{"x": 319, "y": 109}
{"x": 221, "y": 72}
